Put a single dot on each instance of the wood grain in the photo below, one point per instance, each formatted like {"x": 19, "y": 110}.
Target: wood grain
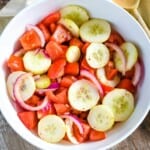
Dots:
{"x": 139, "y": 140}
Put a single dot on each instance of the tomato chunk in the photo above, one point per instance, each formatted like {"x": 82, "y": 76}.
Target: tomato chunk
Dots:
{"x": 15, "y": 63}
{"x": 61, "y": 34}
{"x": 52, "y": 18}
{"x": 56, "y": 70}
{"x": 28, "y": 118}
{"x": 81, "y": 138}
{"x": 54, "y": 50}
{"x": 61, "y": 108}
{"x": 30, "y": 40}
{"x": 66, "y": 81}
{"x": 49, "y": 109}
{"x": 59, "y": 98}
{"x": 126, "y": 84}
{"x": 72, "y": 68}
{"x": 76, "y": 42}
{"x": 115, "y": 38}
{"x": 45, "y": 31}
{"x": 96, "y": 135}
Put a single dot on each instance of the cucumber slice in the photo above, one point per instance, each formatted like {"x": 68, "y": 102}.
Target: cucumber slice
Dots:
{"x": 24, "y": 87}
{"x": 70, "y": 25}
{"x": 36, "y": 63}
{"x": 42, "y": 82}
{"x": 76, "y": 13}
{"x": 101, "y": 118}
{"x": 83, "y": 95}
{"x": 97, "y": 55}
{"x": 51, "y": 129}
{"x": 95, "y": 30}
{"x": 11, "y": 81}
{"x": 131, "y": 55}
{"x": 103, "y": 79}
{"x": 121, "y": 103}
{"x": 73, "y": 54}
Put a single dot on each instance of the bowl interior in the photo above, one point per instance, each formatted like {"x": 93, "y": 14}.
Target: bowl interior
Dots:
{"x": 122, "y": 22}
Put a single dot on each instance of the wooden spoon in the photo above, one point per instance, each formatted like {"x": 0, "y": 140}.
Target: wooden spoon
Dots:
{"x": 133, "y": 5}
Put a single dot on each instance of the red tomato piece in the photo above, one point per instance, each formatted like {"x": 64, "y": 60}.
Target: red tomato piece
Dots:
{"x": 110, "y": 70}
{"x": 81, "y": 138}
{"x": 15, "y": 63}
{"x": 59, "y": 98}
{"x": 84, "y": 65}
{"x": 76, "y": 42}
{"x": 49, "y": 109}
{"x": 61, "y": 34}
{"x": 66, "y": 81}
{"x": 115, "y": 38}
{"x": 56, "y": 70}
{"x": 96, "y": 135}
{"x": 51, "y": 18}
{"x": 30, "y": 40}
{"x": 126, "y": 84}
{"x": 72, "y": 69}
{"x": 28, "y": 118}
{"x": 45, "y": 31}
{"x": 33, "y": 101}
{"x": 61, "y": 108}
{"x": 84, "y": 47}
{"x": 106, "y": 88}
{"x": 52, "y": 27}
{"x": 54, "y": 50}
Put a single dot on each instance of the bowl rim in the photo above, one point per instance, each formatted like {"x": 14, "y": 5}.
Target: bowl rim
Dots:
{"x": 37, "y": 142}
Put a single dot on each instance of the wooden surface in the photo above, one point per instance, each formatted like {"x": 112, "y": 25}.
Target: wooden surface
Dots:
{"x": 139, "y": 140}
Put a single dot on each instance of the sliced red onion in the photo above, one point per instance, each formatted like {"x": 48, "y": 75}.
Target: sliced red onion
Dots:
{"x": 54, "y": 85}
{"x": 31, "y": 108}
{"x": 75, "y": 120}
{"x": 120, "y": 53}
{"x": 20, "y": 52}
{"x": 90, "y": 76}
{"x": 137, "y": 74}
{"x": 39, "y": 32}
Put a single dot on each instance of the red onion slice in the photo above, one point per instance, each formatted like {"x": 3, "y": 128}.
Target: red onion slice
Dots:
{"x": 31, "y": 108}
{"x": 120, "y": 53}
{"x": 90, "y": 76}
{"x": 75, "y": 120}
{"x": 20, "y": 52}
{"x": 137, "y": 74}
{"x": 53, "y": 86}
{"x": 39, "y": 32}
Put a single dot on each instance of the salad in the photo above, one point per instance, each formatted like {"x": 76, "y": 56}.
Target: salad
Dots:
{"x": 74, "y": 77}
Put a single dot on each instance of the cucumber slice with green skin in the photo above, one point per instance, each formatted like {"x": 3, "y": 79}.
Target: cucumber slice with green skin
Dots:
{"x": 97, "y": 55}
{"x": 24, "y": 87}
{"x": 75, "y": 13}
{"x": 100, "y": 73}
{"x": 121, "y": 102}
{"x": 36, "y": 63}
{"x": 95, "y": 30}
{"x": 101, "y": 118}
{"x": 51, "y": 128}
{"x": 70, "y": 25}
{"x": 42, "y": 82}
{"x": 11, "y": 81}
{"x": 131, "y": 55}
{"x": 83, "y": 95}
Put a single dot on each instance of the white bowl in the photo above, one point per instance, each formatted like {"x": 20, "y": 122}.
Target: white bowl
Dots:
{"x": 122, "y": 22}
